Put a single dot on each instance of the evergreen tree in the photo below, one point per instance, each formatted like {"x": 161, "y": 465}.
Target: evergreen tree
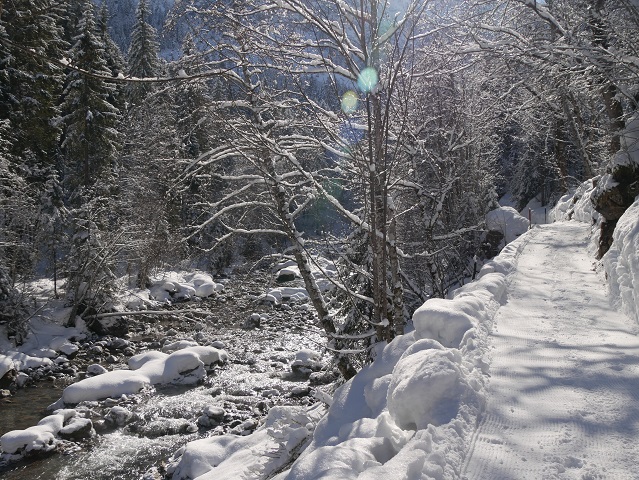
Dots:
{"x": 12, "y": 188}
{"x": 30, "y": 85}
{"x": 113, "y": 56}
{"x": 143, "y": 58}
{"x": 192, "y": 103}
{"x": 115, "y": 59}
{"x": 91, "y": 139}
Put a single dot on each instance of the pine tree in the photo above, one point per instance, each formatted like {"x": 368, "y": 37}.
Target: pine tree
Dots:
{"x": 143, "y": 57}
{"x": 115, "y": 59}
{"x": 113, "y": 56}
{"x": 12, "y": 188}
{"x": 91, "y": 140}
{"x": 191, "y": 103}
{"x": 30, "y": 85}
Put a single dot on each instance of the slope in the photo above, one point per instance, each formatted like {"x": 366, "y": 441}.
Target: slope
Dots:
{"x": 563, "y": 401}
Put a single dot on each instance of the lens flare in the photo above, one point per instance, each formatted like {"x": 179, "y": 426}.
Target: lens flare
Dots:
{"x": 349, "y": 102}
{"x": 367, "y": 80}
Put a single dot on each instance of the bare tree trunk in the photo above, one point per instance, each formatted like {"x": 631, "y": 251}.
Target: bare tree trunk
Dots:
{"x": 344, "y": 365}
{"x": 396, "y": 279}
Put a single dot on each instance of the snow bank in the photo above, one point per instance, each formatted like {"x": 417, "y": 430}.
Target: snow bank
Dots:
{"x": 577, "y": 205}
{"x": 184, "y": 367}
{"x": 45, "y": 342}
{"x": 408, "y": 415}
{"x": 438, "y": 373}
{"x": 41, "y": 437}
{"x": 622, "y": 263}
{"x": 507, "y": 221}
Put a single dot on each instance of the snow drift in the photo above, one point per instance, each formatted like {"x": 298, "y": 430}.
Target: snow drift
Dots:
{"x": 508, "y": 221}
{"x": 622, "y": 263}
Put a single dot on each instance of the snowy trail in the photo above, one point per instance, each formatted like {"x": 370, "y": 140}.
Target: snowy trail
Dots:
{"x": 563, "y": 398}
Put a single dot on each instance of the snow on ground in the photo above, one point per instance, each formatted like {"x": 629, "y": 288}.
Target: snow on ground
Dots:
{"x": 532, "y": 350}
{"x": 173, "y": 286}
{"x": 285, "y": 430}
{"x": 410, "y": 414}
{"x": 558, "y": 400}
{"x": 562, "y": 399}
{"x": 576, "y": 205}
{"x": 44, "y": 342}
{"x": 43, "y": 436}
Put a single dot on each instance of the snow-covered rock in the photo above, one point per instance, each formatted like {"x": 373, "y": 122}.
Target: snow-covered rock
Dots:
{"x": 287, "y": 274}
{"x": 426, "y": 388}
{"x": 229, "y": 457}
{"x": 96, "y": 369}
{"x": 178, "y": 345}
{"x": 184, "y": 367}
{"x": 6, "y": 365}
{"x": 41, "y": 437}
{"x": 507, "y": 221}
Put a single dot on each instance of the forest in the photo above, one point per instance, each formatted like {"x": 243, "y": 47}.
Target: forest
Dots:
{"x": 375, "y": 133}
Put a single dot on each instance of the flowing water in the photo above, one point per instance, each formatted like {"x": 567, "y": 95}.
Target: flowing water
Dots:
{"x": 256, "y": 377}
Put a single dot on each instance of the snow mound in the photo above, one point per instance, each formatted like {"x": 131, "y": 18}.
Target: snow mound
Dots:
{"x": 322, "y": 270}
{"x": 622, "y": 263}
{"x": 41, "y": 437}
{"x": 44, "y": 342}
{"x": 179, "y": 286}
{"x": 443, "y": 320}
{"x": 411, "y": 413}
{"x": 286, "y": 294}
{"x": 183, "y": 367}
{"x": 426, "y": 389}
{"x": 21, "y": 361}
{"x": 507, "y": 221}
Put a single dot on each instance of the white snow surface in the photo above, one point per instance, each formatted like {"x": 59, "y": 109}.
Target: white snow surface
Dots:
{"x": 44, "y": 342}
{"x": 577, "y": 205}
{"x": 530, "y": 372}
{"x": 622, "y": 262}
{"x": 408, "y": 415}
{"x": 40, "y": 437}
{"x": 562, "y": 401}
{"x": 183, "y": 367}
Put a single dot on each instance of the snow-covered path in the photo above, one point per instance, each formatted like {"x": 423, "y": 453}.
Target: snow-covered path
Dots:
{"x": 563, "y": 398}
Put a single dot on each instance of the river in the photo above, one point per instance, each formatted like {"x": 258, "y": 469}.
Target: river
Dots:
{"x": 257, "y": 376}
